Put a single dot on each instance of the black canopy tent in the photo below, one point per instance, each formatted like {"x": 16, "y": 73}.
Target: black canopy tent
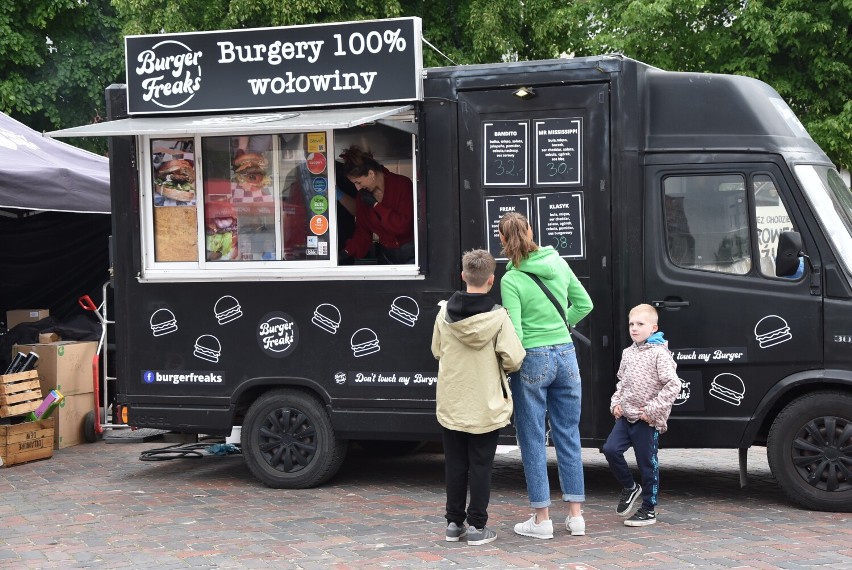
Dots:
{"x": 54, "y": 222}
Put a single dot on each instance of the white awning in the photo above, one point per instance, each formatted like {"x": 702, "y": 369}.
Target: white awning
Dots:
{"x": 253, "y": 123}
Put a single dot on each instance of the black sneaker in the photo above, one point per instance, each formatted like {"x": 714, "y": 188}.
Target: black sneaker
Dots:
{"x": 628, "y": 500}
{"x": 455, "y": 532}
{"x": 642, "y": 518}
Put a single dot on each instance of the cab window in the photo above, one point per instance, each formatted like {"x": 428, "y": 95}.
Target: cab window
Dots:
{"x": 707, "y": 222}
{"x": 771, "y": 218}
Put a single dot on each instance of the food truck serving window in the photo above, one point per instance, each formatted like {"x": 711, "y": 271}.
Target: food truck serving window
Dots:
{"x": 241, "y": 197}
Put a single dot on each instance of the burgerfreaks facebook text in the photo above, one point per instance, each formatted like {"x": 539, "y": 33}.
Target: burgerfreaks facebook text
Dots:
{"x": 182, "y": 377}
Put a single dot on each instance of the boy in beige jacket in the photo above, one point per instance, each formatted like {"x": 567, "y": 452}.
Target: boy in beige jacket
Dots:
{"x": 476, "y": 346}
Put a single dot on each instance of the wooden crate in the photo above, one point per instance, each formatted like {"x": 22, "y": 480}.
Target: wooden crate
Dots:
{"x": 19, "y": 393}
{"x": 27, "y": 441}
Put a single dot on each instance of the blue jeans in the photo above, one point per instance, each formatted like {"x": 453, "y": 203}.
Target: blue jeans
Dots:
{"x": 548, "y": 383}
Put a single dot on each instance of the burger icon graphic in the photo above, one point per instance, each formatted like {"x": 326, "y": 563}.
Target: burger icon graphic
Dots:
{"x": 364, "y": 342}
{"x": 728, "y": 388}
{"x": 207, "y": 347}
{"x": 327, "y": 317}
{"x": 771, "y": 330}
{"x": 227, "y": 309}
{"x": 405, "y": 310}
{"x": 163, "y": 322}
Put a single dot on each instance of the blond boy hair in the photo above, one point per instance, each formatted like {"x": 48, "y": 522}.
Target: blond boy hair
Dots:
{"x": 645, "y": 309}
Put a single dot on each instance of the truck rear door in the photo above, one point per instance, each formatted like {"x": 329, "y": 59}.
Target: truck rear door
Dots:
{"x": 735, "y": 328}
{"x": 548, "y": 157}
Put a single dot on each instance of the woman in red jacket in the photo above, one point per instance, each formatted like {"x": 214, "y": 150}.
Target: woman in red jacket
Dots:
{"x": 385, "y": 207}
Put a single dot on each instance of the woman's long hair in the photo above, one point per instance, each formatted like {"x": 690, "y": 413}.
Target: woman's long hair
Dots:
{"x": 357, "y": 163}
{"x": 514, "y": 228}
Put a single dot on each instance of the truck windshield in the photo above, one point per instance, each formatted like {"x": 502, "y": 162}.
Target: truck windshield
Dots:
{"x": 832, "y": 202}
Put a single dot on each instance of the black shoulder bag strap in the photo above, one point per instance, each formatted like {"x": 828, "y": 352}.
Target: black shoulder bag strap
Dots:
{"x": 572, "y": 330}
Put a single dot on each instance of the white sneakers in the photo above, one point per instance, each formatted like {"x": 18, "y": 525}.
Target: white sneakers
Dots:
{"x": 575, "y": 525}
{"x": 544, "y": 529}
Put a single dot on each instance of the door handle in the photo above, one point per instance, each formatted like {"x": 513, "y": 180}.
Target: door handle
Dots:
{"x": 669, "y": 304}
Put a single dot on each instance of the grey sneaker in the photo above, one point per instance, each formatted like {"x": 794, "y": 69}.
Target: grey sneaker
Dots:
{"x": 477, "y": 536}
{"x": 642, "y": 517}
{"x": 544, "y": 529}
{"x": 628, "y": 499}
{"x": 455, "y": 532}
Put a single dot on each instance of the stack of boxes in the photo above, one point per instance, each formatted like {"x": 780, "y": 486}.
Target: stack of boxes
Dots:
{"x": 22, "y": 440}
{"x": 66, "y": 366}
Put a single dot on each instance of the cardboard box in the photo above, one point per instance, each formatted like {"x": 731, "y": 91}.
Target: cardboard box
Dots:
{"x": 70, "y": 418}
{"x": 18, "y": 316}
{"x": 26, "y": 441}
{"x": 46, "y": 338}
{"x": 65, "y": 366}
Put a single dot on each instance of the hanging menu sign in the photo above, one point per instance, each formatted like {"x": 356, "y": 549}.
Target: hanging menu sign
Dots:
{"x": 558, "y": 152}
{"x": 495, "y": 208}
{"x": 505, "y": 153}
{"x": 346, "y": 63}
{"x": 561, "y": 224}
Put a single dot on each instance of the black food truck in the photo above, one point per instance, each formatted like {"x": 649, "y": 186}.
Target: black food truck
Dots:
{"x": 701, "y": 194}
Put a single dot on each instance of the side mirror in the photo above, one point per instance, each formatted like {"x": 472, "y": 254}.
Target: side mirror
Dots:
{"x": 787, "y": 258}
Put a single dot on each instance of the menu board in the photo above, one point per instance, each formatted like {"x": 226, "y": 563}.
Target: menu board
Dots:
{"x": 505, "y": 153}
{"x": 495, "y": 208}
{"x": 561, "y": 224}
{"x": 558, "y": 152}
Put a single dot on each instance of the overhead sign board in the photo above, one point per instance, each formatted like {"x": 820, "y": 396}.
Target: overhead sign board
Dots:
{"x": 349, "y": 63}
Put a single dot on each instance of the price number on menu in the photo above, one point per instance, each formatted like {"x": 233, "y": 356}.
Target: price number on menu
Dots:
{"x": 507, "y": 167}
{"x": 552, "y": 169}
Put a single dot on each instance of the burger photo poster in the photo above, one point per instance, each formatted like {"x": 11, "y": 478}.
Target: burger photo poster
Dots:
{"x": 173, "y": 163}
{"x": 174, "y": 197}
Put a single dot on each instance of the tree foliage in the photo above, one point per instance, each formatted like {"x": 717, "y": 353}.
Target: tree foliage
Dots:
{"x": 800, "y": 47}
{"x": 56, "y": 59}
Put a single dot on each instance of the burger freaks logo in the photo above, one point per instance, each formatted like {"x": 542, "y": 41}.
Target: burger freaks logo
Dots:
{"x": 171, "y": 73}
{"x": 277, "y": 334}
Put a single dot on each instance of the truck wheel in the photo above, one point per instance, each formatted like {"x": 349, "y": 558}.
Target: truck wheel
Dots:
{"x": 810, "y": 451}
{"x": 288, "y": 442}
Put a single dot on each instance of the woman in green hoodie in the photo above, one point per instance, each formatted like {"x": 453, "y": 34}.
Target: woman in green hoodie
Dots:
{"x": 549, "y": 380}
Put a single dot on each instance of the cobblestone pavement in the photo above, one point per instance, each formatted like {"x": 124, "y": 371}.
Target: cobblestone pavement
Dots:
{"x": 97, "y": 505}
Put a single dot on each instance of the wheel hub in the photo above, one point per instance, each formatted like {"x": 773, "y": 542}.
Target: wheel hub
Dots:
{"x": 288, "y": 440}
{"x": 831, "y": 453}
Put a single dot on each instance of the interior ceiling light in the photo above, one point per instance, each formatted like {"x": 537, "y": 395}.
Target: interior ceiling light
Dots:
{"x": 524, "y": 93}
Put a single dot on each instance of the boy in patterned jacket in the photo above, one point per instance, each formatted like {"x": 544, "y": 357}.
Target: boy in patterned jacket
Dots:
{"x": 647, "y": 387}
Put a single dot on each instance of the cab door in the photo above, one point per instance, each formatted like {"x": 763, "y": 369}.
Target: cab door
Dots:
{"x": 549, "y": 158}
{"x": 735, "y": 328}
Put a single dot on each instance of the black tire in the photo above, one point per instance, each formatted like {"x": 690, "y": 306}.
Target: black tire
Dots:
{"x": 288, "y": 442}
{"x": 810, "y": 451}
{"x": 89, "y": 432}
{"x": 387, "y": 448}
